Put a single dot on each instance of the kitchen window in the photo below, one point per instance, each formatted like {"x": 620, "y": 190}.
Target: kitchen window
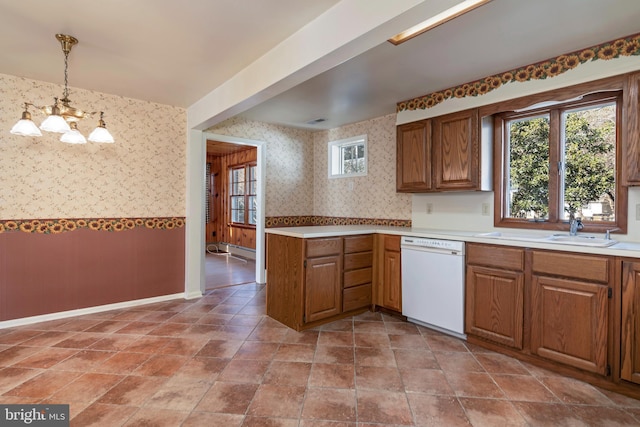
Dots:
{"x": 348, "y": 157}
{"x": 561, "y": 161}
{"x": 242, "y": 194}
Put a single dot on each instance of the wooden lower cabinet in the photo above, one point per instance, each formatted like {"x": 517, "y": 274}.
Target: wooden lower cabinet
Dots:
{"x": 388, "y": 274}
{"x": 495, "y": 302}
{"x": 549, "y": 305}
{"x": 358, "y": 272}
{"x": 323, "y": 288}
{"x": 494, "y": 296}
{"x": 314, "y": 281}
{"x": 569, "y": 322}
{"x": 630, "y": 323}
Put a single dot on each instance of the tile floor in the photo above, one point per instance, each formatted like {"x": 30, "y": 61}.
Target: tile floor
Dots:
{"x": 219, "y": 361}
{"x": 222, "y": 270}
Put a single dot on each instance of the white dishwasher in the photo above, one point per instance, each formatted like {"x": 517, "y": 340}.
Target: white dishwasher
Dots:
{"x": 433, "y": 283}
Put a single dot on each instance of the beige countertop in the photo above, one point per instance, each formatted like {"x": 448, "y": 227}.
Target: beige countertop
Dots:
{"x": 623, "y": 249}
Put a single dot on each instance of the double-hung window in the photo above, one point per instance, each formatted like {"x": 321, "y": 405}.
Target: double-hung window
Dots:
{"x": 242, "y": 194}
{"x": 560, "y": 162}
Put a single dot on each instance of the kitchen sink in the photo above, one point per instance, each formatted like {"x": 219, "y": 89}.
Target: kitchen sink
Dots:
{"x": 565, "y": 239}
{"x": 579, "y": 240}
{"x": 515, "y": 236}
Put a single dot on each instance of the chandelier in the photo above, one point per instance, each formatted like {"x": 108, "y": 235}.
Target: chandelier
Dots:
{"x": 61, "y": 116}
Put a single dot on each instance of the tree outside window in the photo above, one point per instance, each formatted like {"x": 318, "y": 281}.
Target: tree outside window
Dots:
{"x": 561, "y": 162}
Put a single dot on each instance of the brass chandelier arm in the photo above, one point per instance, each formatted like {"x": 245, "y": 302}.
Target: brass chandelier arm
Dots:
{"x": 61, "y": 116}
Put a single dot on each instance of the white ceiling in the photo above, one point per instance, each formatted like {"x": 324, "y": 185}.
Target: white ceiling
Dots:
{"x": 175, "y": 52}
{"x": 167, "y": 51}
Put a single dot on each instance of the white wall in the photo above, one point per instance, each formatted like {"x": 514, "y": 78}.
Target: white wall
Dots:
{"x": 463, "y": 211}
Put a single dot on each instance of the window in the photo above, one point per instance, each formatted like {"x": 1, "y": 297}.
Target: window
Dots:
{"x": 242, "y": 194}
{"x": 348, "y": 157}
{"x": 560, "y": 161}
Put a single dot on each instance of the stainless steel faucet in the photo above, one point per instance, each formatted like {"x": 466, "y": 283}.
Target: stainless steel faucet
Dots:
{"x": 607, "y": 234}
{"x": 575, "y": 224}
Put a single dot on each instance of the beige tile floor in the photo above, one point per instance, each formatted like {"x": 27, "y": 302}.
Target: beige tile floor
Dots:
{"x": 219, "y": 361}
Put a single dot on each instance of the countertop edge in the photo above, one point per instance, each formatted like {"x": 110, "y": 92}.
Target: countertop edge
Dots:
{"x": 622, "y": 249}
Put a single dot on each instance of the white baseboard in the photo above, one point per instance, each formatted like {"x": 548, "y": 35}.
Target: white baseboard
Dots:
{"x": 89, "y": 310}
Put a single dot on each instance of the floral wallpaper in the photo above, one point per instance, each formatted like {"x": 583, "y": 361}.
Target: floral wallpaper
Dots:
{"x": 289, "y": 158}
{"x": 141, "y": 175}
{"x": 628, "y": 46}
{"x": 370, "y": 196}
{"x": 297, "y": 187}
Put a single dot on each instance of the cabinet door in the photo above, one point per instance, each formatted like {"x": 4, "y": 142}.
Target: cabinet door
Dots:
{"x": 494, "y": 305}
{"x": 456, "y": 148}
{"x": 631, "y": 148}
{"x": 413, "y": 162}
{"x": 391, "y": 287}
{"x": 630, "y": 340}
{"x": 569, "y": 322}
{"x": 323, "y": 289}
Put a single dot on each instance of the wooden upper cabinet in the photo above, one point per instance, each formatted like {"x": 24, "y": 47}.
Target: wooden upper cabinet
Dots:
{"x": 413, "y": 161}
{"x": 456, "y": 151}
{"x": 440, "y": 154}
{"x": 631, "y": 129}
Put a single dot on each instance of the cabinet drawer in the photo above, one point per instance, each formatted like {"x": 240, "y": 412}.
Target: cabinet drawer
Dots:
{"x": 359, "y": 260}
{"x": 358, "y": 243}
{"x": 356, "y": 297}
{"x": 585, "y": 267}
{"x": 357, "y": 277}
{"x": 495, "y": 256}
{"x": 392, "y": 243}
{"x": 323, "y": 247}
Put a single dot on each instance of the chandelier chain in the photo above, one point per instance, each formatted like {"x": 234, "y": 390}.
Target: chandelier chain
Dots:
{"x": 66, "y": 76}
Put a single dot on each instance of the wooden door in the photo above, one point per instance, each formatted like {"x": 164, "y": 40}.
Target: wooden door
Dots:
{"x": 323, "y": 289}
{"x": 391, "y": 288}
{"x": 630, "y": 339}
{"x": 413, "y": 161}
{"x": 495, "y": 305}
{"x": 456, "y": 148}
{"x": 569, "y": 322}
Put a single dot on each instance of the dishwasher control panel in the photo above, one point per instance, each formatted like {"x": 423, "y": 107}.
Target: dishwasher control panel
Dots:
{"x": 423, "y": 242}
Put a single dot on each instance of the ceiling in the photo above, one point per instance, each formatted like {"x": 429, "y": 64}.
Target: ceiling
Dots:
{"x": 133, "y": 48}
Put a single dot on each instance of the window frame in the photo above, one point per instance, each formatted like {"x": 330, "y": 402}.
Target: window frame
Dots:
{"x": 246, "y": 193}
{"x": 338, "y": 145}
{"x": 558, "y": 101}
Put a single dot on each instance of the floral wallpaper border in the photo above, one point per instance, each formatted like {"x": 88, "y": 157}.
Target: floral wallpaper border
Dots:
{"x": 300, "y": 221}
{"x": 626, "y": 46}
{"x": 56, "y": 226}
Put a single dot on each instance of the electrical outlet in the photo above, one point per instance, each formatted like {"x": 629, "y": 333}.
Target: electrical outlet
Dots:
{"x": 485, "y": 209}
{"x": 429, "y": 208}
{"x": 350, "y": 185}
{"x": 638, "y": 212}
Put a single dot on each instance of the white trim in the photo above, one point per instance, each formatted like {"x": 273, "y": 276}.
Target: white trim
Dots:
{"x": 261, "y": 196}
{"x": 89, "y": 310}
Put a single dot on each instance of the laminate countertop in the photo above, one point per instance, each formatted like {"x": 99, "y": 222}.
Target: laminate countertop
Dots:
{"x": 623, "y": 249}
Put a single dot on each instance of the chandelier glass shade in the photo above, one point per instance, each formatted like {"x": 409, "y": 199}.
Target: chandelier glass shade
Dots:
{"x": 61, "y": 116}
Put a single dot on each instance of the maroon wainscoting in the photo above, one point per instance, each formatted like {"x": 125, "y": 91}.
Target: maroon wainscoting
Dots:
{"x": 48, "y": 273}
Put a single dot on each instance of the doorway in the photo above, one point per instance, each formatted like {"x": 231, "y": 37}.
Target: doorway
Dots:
{"x": 230, "y": 214}
{"x": 237, "y": 273}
